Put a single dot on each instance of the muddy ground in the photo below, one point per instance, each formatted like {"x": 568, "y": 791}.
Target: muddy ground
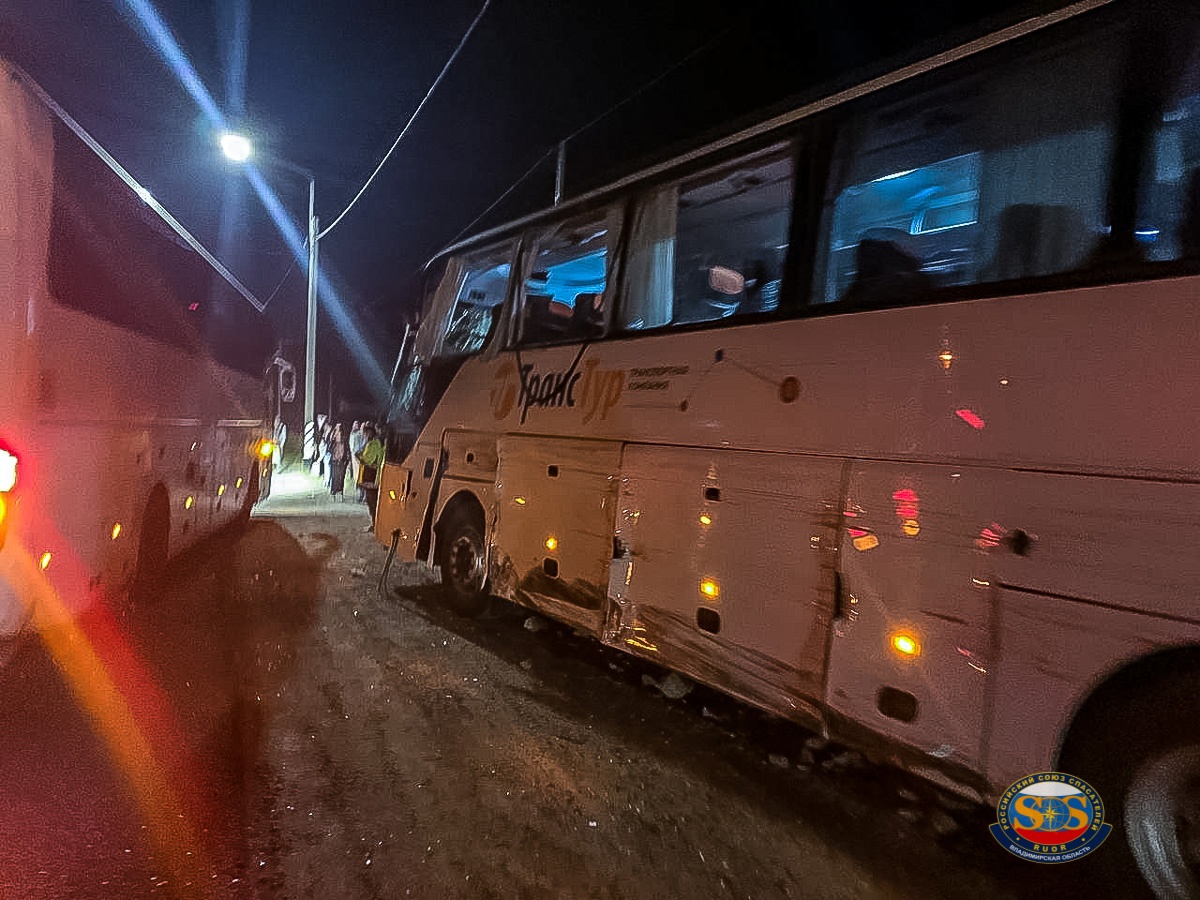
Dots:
{"x": 314, "y": 737}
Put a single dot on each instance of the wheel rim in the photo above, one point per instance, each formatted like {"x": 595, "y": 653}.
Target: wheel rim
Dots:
{"x": 465, "y": 564}
{"x": 1162, "y": 821}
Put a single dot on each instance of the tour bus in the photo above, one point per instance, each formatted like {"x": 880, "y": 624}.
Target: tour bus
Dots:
{"x": 123, "y": 438}
{"x": 879, "y": 415}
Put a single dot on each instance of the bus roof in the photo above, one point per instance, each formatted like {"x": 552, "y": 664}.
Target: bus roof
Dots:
{"x": 780, "y": 121}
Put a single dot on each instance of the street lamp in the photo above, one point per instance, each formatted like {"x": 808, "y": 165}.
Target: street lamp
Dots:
{"x": 238, "y": 148}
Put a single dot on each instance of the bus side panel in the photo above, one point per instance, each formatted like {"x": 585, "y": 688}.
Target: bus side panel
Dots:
{"x": 730, "y": 576}
{"x": 399, "y": 509}
{"x": 405, "y": 493}
{"x": 1053, "y": 654}
{"x": 1093, "y": 551}
{"x": 912, "y": 572}
{"x": 553, "y": 539}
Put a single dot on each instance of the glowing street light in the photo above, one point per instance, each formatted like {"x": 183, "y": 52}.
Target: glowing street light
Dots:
{"x": 238, "y": 148}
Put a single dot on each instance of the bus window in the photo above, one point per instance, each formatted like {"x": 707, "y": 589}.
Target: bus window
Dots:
{"x": 1002, "y": 176}
{"x": 710, "y": 248}
{"x": 476, "y": 310}
{"x": 112, "y": 257}
{"x": 1169, "y": 208}
{"x": 564, "y": 295}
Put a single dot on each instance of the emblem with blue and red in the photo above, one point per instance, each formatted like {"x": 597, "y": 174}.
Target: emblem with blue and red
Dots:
{"x": 1050, "y": 817}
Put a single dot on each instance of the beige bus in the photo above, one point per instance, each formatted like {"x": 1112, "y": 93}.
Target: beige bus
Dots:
{"x": 126, "y": 434}
{"x": 880, "y": 415}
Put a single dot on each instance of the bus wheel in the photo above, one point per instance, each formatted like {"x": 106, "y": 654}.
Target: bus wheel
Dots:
{"x": 153, "y": 546}
{"x": 1143, "y": 758}
{"x": 464, "y": 570}
{"x": 1162, "y": 821}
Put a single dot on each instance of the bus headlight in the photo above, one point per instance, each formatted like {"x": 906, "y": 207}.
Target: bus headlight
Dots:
{"x": 266, "y": 449}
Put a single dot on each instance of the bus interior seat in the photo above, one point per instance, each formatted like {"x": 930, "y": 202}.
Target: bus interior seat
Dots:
{"x": 537, "y": 317}
{"x": 587, "y": 318}
{"x": 887, "y": 268}
{"x": 1036, "y": 239}
{"x": 762, "y": 288}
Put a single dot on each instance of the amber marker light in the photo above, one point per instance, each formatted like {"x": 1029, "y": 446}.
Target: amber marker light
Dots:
{"x": 520, "y": 501}
{"x": 706, "y": 520}
{"x": 189, "y": 502}
{"x": 905, "y": 644}
{"x": 710, "y": 589}
{"x": 391, "y": 495}
{"x": 946, "y": 358}
{"x": 265, "y": 449}
{"x": 552, "y": 543}
{"x": 221, "y": 490}
{"x": 44, "y": 562}
{"x": 116, "y": 531}
{"x": 238, "y": 483}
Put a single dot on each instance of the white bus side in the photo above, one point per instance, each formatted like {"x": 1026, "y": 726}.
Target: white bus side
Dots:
{"x": 912, "y": 462}
{"x": 125, "y": 446}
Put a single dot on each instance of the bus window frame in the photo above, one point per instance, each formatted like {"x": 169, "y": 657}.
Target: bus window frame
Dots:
{"x": 784, "y": 144}
{"x": 613, "y": 213}
{"x": 443, "y": 300}
{"x": 814, "y": 141}
{"x": 1116, "y": 259}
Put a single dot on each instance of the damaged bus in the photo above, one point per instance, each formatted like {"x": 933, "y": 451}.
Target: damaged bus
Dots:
{"x": 878, "y": 415}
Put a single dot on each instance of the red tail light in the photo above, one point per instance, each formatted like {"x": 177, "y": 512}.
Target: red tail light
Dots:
{"x": 8, "y": 470}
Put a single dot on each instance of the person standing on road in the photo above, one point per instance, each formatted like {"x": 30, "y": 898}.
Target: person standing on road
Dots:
{"x": 371, "y": 457}
{"x": 339, "y": 458}
{"x": 357, "y": 442}
{"x": 324, "y": 448}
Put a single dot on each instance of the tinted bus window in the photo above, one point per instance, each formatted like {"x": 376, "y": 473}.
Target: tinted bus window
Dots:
{"x": 564, "y": 296}
{"x": 710, "y": 248}
{"x": 1002, "y": 175}
{"x": 1169, "y": 213}
{"x": 111, "y": 256}
{"x": 477, "y": 304}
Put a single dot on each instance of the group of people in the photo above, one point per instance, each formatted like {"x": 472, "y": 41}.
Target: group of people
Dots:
{"x": 360, "y": 451}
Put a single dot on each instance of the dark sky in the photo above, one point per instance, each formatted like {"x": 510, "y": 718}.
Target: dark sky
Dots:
{"x": 328, "y": 85}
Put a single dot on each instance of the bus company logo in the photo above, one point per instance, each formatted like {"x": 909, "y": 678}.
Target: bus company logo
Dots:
{"x": 594, "y": 390}
{"x": 1050, "y": 817}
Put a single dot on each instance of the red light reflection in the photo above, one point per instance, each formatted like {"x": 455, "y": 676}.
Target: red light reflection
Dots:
{"x": 971, "y": 418}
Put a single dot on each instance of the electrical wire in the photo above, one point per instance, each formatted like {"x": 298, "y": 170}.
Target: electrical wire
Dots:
{"x": 290, "y": 269}
{"x": 541, "y": 159}
{"x": 408, "y": 124}
{"x": 578, "y": 131}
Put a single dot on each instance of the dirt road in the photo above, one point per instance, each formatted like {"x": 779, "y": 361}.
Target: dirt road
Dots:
{"x": 324, "y": 740}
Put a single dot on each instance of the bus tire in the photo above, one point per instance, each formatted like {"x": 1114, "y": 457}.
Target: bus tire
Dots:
{"x": 154, "y": 546}
{"x": 1145, "y": 765}
{"x": 461, "y": 559}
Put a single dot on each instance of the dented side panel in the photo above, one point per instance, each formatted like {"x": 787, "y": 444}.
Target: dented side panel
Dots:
{"x": 912, "y": 572}
{"x": 553, "y": 535}
{"x": 729, "y": 574}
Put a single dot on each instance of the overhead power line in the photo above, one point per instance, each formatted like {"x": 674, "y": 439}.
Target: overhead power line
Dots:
{"x": 408, "y": 124}
{"x": 645, "y": 86}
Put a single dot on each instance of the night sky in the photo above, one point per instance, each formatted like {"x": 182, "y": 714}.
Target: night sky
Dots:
{"x": 329, "y": 85}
